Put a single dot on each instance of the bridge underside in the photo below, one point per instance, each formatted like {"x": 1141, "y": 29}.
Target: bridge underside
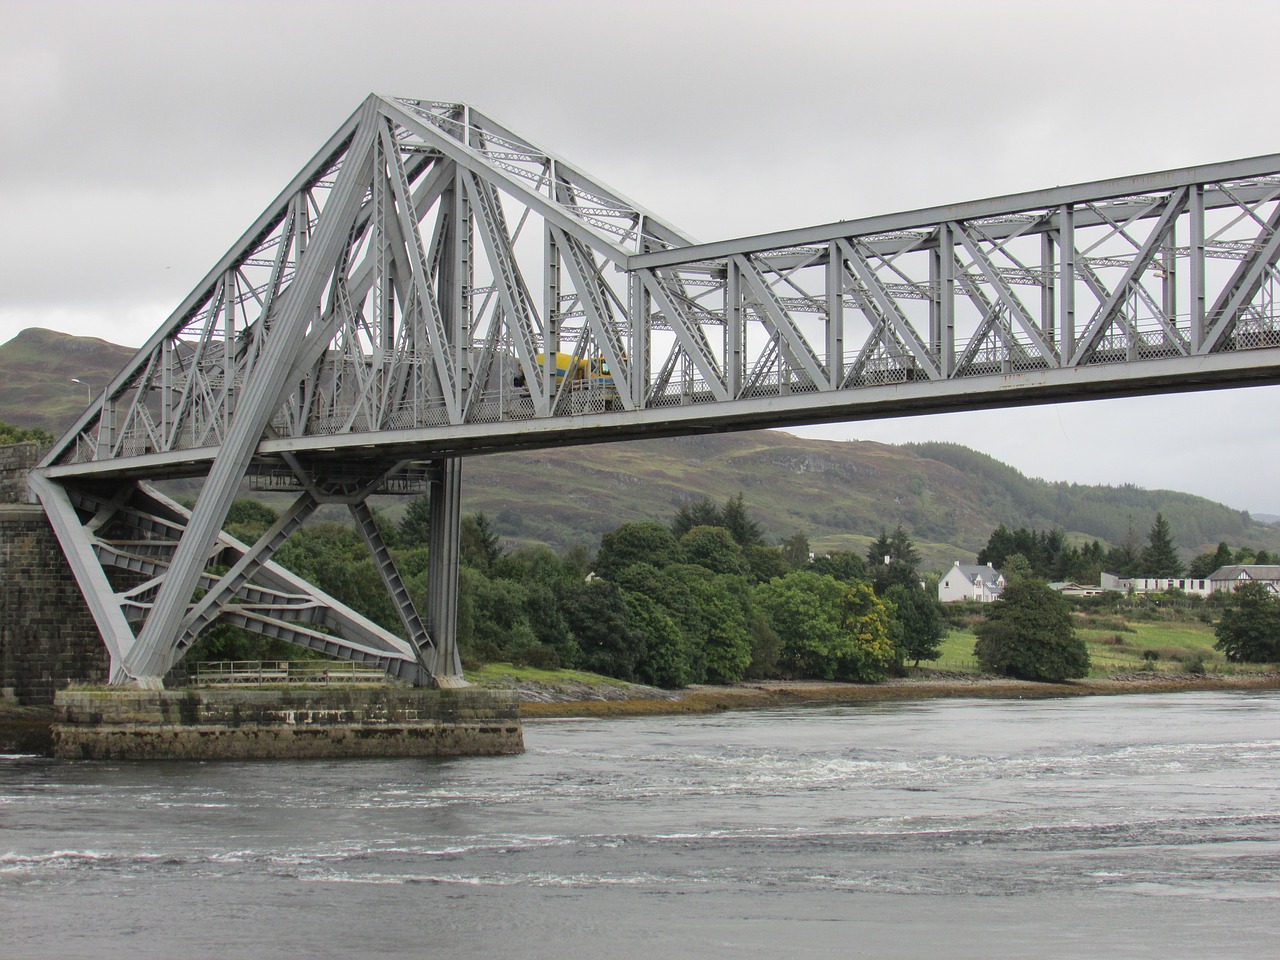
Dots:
{"x": 432, "y": 286}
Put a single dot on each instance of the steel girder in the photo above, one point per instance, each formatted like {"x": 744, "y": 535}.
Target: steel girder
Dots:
{"x": 417, "y": 291}
{"x": 134, "y": 532}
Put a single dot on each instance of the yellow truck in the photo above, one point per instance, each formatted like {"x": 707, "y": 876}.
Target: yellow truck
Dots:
{"x": 590, "y": 373}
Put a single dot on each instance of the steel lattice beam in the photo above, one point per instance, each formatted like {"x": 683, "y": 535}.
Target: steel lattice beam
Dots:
{"x": 423, "y": 286}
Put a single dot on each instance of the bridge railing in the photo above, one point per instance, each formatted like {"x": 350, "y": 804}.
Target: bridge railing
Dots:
{"x": 285, "y": 671}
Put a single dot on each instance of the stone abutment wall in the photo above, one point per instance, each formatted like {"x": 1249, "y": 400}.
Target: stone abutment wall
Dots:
{"x": 212, "y": 723}
{"x": 47, "y": 636}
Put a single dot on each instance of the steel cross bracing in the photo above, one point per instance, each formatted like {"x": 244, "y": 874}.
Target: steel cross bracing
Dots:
{"x": 433, "y": 285}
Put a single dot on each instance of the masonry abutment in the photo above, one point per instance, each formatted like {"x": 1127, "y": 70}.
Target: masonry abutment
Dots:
{"x": 48, "y": 638}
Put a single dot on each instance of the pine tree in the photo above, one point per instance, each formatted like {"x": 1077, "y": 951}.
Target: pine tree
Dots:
{"x": 700, "y": 513}
{"x": 738, "y": 522}
{"x": 479, "y": 545}
{"x": 893, "y": 558}
{"x": 1160, "y": 558}
{"x": 415, "y": 526}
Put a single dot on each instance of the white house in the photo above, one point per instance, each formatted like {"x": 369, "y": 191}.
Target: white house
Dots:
{"x": 1229, "y": 577}
{"x": 1157, "y": 584}
{"x": 970, "y": 581}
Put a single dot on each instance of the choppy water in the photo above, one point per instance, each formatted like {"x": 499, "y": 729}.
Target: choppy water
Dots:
{"x": 1134, "y": 826}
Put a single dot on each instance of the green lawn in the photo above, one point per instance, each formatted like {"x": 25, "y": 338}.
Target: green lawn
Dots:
{"x": 502, "y": 675}
{"x": 1119, "y": 651}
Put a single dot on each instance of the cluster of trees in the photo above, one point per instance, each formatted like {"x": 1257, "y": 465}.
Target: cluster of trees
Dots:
{"x": 704, "y": 599}
{"x": 1204, "y": 564}
{"x": 1049, "y": 556}
{"x": 1047, "y": 553}
{"x": 9, "y": 433}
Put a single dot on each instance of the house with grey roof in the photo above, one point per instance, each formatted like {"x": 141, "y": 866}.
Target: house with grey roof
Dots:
{"x": 970, "y": 581}
{"x": 1231, "y": 576}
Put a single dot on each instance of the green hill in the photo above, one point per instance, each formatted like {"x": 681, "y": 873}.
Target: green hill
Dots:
{"x": 38, "y": 374}
{"x": 839, "y": 494}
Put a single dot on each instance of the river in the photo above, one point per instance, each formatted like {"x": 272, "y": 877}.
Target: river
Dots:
{"x": 1135, "y": 826}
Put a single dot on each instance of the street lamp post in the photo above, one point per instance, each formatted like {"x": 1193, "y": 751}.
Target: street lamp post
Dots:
{"x": 88, "y": 393}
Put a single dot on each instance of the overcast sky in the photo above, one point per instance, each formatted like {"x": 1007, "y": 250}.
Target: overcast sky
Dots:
{"x": 141, "y": 138}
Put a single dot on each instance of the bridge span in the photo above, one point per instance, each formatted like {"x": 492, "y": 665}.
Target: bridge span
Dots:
{"x": 432, "y": 285}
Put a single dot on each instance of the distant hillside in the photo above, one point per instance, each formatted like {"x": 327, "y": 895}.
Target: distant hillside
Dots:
{"x": 1097, "y": 511}
{"x": 839, "y": 494}
{"x": 38, "y": 370}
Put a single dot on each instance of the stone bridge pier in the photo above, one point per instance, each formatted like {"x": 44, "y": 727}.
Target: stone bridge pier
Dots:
{"x": 48, "y": 638}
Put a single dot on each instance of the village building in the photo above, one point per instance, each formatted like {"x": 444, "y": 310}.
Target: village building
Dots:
{"x": 1229, "y": 577}
{"x": 970, "y": 581}
{"x": 1069, "y": 588}
{"x": 1190, "y": 585}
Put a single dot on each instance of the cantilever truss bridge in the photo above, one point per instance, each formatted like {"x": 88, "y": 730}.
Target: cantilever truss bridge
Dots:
{"x": 425, "y": 287}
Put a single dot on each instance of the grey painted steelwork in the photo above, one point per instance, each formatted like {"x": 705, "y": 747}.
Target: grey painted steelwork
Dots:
{"x": 433, "y": 285}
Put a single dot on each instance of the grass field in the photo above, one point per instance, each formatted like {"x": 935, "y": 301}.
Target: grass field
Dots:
{"x": 1118, "y": 647}
{"x": 501, "y": 675}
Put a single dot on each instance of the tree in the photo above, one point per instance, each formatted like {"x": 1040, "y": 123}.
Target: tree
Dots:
{"x": 14, "y": 434}
{"x": 1017, "y": 567}
{"x": 878, "y": 554}
{"x": 765, "y": 563}
{"x": 478, "y": 543}
{"x": 598, "y": 616}
{"x": 1160, "y": 558}
{"x": 415, "y": 525}
{"x": 919, "y": 615}
{"x": 1249, "y": 631}
{"x": 700, "y": 513}
{"x": 844, "y": 566}
{"x": 893, "y": 559}
{"x": 867, "y": 620}
{"x": 248, "y": 519}
{"x": 634, "y": 543}
{"x": 1045, "y": 550}
{"x": 1028, "y": 634}
{"x": 766, "y": 647}
{"x": 711, "y": 610}
{"x": 737, "y": 520}
{"x": 803, "y": 609}
{"x": 723, "y": 631}
{"x": 1207, "y": 563}
{"x": 1125, "y": 560}
{"x": 796, "y": 551}
{"x": 829, "y": 630}
{"x": 713, "y": 548}
{"x": 668, "y": 661}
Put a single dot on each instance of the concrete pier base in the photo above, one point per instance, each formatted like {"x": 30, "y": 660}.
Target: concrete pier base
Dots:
{"x": 220, "y": 723}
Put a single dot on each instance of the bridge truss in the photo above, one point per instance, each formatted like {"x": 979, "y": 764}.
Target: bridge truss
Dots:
{"x": 416, "y": 293}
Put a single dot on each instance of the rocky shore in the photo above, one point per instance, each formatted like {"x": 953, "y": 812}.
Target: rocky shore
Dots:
{"x": 614, "y": 701}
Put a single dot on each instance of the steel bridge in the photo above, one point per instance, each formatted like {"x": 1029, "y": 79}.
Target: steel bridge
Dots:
{"x": 433, "y": 285}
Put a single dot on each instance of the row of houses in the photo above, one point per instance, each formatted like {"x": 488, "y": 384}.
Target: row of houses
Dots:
{"x": 972, "y": 581}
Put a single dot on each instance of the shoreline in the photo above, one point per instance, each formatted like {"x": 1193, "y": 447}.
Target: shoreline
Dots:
{"x": 773, "y": 694}
{"x": 28, "y": 730}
